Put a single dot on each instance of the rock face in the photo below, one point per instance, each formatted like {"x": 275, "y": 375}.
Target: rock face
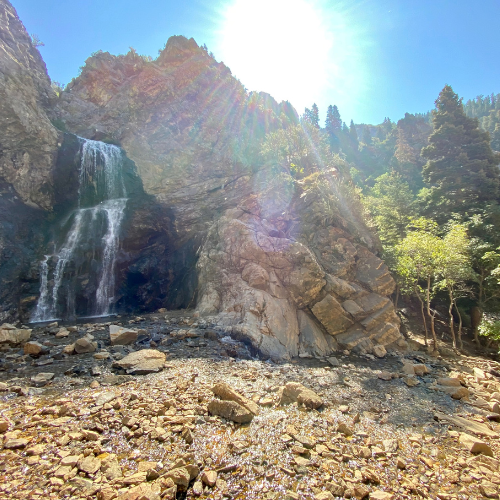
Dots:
{"x": 29, "y": 141}
{"x": 299, "y": 291}
{"x": 288, "y": 266}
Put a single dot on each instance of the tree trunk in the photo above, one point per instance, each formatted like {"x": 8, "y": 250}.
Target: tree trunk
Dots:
{"x": 476, "y": 315}
{"x": 460, "y": 343}
{"x": 452, "y": 322}
{"x": 422, "y": 311}
{"x": 431, "y": 316}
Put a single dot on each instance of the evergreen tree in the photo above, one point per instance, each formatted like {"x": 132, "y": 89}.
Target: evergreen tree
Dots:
{"x": 461, "y": 169}
{"x": 367, "y": 137}
{"x": 315, "y": 115}
{"x": 333, "y": 126}
{"x": 345, "y": 128}
{"x": 353, "y": 133}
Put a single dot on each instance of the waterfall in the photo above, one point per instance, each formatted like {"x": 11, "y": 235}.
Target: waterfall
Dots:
{"x": 94, "y": 231}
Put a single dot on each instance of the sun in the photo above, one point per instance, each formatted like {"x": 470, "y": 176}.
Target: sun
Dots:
{"x": 295, "y": 50}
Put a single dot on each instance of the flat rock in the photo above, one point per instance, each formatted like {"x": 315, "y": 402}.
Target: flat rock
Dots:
{"x": 468, "y": 425}
{"x": 295, "y": 392}
{"x": 142, "y": 362}
{"x": 9, "y": 334}
{"x": 120, "y": 335}
{"x": 230, "y": 410}
{"x": 42, "y": 378}
{"x": 89, "y": 464}
{"x": 12, "y": 444}
{"x": 475, "y": 445}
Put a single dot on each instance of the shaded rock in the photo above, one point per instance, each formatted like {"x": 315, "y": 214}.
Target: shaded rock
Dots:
{"x": 295, "y": 392}
{"x": 85, "y": 345}
{"x": 379, "y": 351}
{"x": 142, "y": 362}
{"x": 230, "y": 410}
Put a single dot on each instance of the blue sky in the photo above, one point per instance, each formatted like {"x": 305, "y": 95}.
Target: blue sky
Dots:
{"x": 373, "y": 58}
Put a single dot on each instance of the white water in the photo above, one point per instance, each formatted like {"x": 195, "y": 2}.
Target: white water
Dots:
{"x": 101, "y": 197}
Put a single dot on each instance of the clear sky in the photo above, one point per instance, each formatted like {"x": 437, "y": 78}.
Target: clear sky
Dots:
{"x": 372, "y": 58}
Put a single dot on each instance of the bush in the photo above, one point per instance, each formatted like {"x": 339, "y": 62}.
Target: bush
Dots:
{"x": 490, "y": 327}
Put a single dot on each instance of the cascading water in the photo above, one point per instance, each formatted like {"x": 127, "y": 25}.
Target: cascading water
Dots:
{"x": 93, "y": 235}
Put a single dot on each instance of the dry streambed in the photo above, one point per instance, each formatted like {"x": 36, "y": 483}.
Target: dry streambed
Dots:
{"x": 248, "y": 429}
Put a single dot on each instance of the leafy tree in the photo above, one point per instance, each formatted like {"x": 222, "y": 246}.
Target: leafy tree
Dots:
{"x": 390, "y": 202}
{"x": 419, "y": 260}
{"x": 456, "y": 271}
{"x": 298, "y": 150}
{"x": 461, "y": 169}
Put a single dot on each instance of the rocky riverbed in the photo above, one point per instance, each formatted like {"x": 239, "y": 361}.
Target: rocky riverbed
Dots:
{"x": 182, "y": 410}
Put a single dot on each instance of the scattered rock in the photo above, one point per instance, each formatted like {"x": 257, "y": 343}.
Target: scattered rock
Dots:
{"x": 295, "y": 392}
{"x": 209, "y": 477}
{"x": 475, "y": 445}
{"x": 120, "y": 335}
{"x": 230, "y": 410}
{"x": 226, "y": 393}
{"x": 9, "y": 334}
{"x": 142, "y": 362}
{"x": 85, "y": 345}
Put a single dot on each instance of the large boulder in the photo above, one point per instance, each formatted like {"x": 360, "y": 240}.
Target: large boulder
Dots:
{"x": 9, "y": 334}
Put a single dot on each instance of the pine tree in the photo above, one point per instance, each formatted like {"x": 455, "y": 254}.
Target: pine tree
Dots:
{"x": 461, "y": 169}
{"x": 353, "y": 133}
{"x": 333, "y": 125}
{"x": 367, "y": 137}
{"x": 315, "y": 115}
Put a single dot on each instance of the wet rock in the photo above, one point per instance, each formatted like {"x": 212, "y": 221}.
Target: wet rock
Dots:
{"x": 475, "y": 445}
{"x": 85, "y": 345}
{"x": 120, "y": 335}
{"x": 230, "y": 410}
{"x": 41, "y": 379}
{"x": 295, "y": 392}
{"x": 226, "y": 393}
{"x": 142, "y": 362}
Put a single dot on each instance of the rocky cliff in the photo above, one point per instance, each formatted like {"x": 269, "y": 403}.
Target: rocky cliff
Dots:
{"x": 283, "y": 261}
{"x": 28, "y": 142}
